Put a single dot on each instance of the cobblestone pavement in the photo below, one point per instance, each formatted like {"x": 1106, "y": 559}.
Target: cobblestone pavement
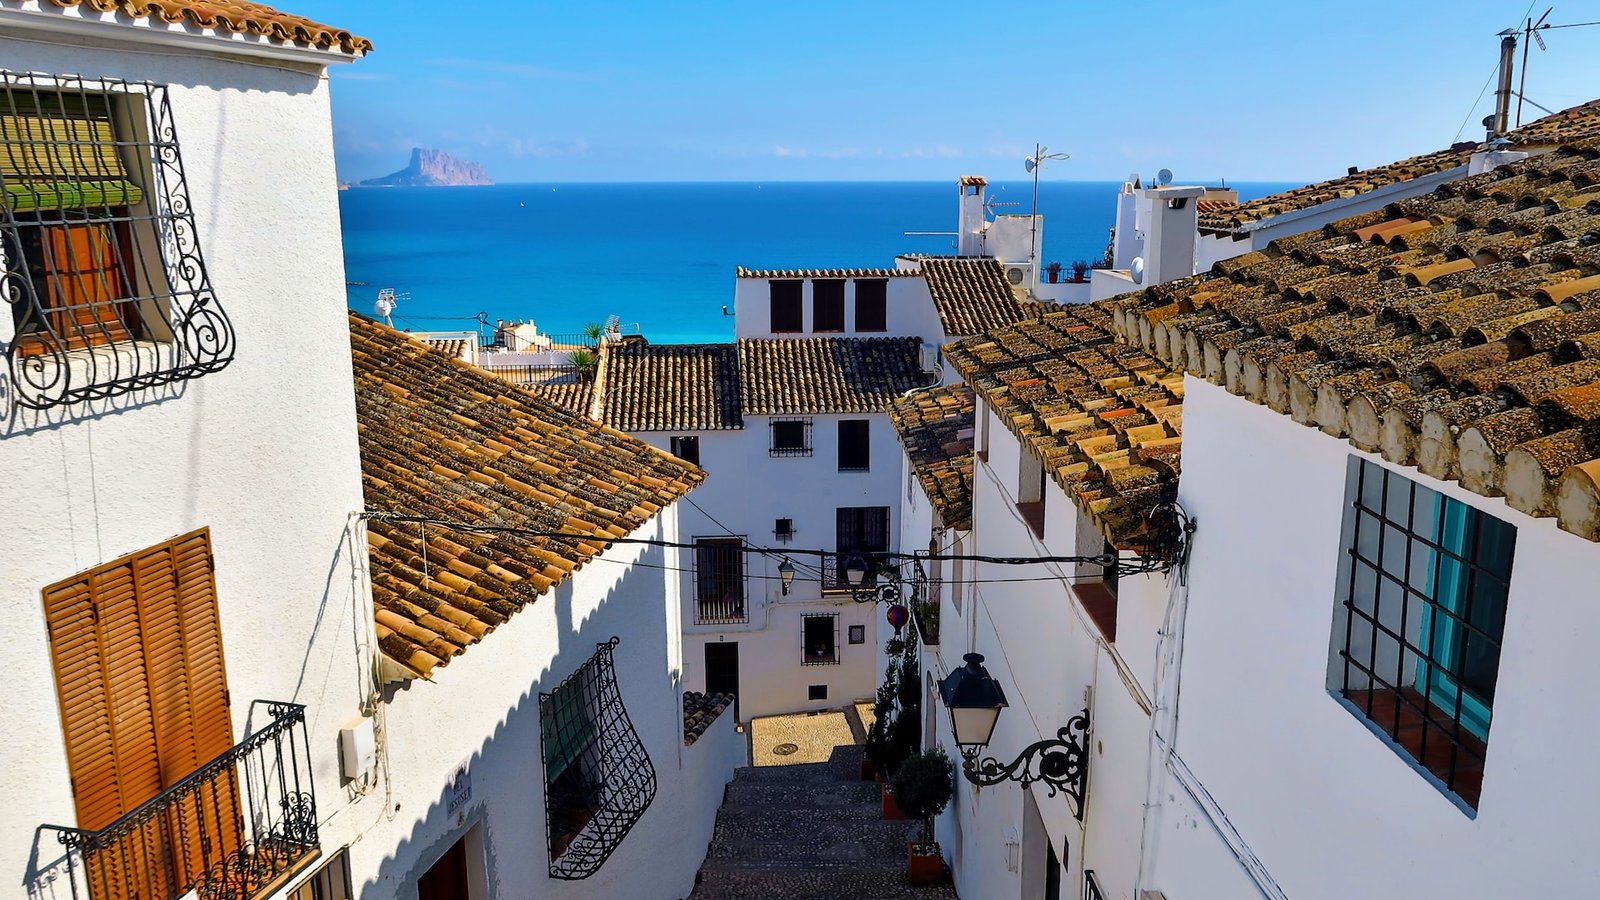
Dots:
{"x": 812, "y": 831}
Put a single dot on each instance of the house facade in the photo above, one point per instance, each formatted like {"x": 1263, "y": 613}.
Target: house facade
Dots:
{"x": 1387, "y": 460}
{"x": 241, "y": 598}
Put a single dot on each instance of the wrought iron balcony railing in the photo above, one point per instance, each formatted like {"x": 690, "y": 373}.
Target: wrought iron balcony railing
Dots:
{"x": 721, "y": 609}
{"x": 236, "y": 828}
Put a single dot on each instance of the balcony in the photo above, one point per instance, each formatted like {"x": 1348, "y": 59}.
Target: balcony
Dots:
{"x": 720, "y": 610}
{"x": 926, "y": 617}
{"x": 237, "y": 828}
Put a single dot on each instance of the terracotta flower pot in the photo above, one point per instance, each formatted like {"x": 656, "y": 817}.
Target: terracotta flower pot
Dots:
{"x": 891, "y": 810}
{"x": 924, "y": 868}
{"x": 869, "y": 769}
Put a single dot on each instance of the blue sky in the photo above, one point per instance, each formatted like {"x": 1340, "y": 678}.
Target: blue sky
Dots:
{"x": 817, "y": 90}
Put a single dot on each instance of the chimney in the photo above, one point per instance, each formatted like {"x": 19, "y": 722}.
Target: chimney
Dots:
{"x": 969, "y": 224}
{"x": 1502, "y": 93}
{"x": 1169, "y": 244}
{"x": 1126, "y": 242}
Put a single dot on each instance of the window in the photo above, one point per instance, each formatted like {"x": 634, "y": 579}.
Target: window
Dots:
{"x": 687, "y": 448}
{"x": 817, "y": 692}
{"x": 719, "y": 580}
{"x": 1095, "y": 585}
{"x": 137, "y": 650}
{"x": 855, "y": 445}
{"x": 858, "y": 634}
{"x": 872, "y": 304}
{"x": 1031, "y": 491}
{"x": 827, "y": 305}
{"x": 97, "y": 243}
{"x": 820, "y": 635}
{"x": 1422, "y": 612}
{"x": 788, "y": 307}
{"x": 598, "y": 778}
{"x": 983, "y": 434}
{"x": 791, "y": 437}
{"x": 783, "y": 530}
{"x": 859, "y": 531}
{"x": 331, "y": 882}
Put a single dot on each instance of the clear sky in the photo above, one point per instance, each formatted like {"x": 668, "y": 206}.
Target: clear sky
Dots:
{"x": 820, "y": 90}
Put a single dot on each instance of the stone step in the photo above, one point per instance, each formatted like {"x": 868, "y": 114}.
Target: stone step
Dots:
{"x": 802, "y": 795}
{"x": 733, "y": 828}
{"x": 797, "y": 773}
{"x": 859, "y": 885}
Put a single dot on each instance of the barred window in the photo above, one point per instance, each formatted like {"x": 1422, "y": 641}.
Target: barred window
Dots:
{"x": 719, "y": 580}
{"x": 1422, "y": 613}
{"x": 791, "y": 437}
{"x": 98, "y": 245}
{"x": 598, "y": 779}
{"x": 821, "y": 637}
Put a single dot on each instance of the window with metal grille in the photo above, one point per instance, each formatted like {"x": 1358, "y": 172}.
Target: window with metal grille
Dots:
{"x": 687, "y": 448}
{"x": 1422, "y": 611}
{"x": 872, "y": 305}
{"x": 791, "y": 437}
{"x": 100, "y": 259}
{"x": 787, "y": 306}
{"x": 783, "y": 530}
{"x": 855, "y": 445}
{"x": 860, "y": 531}
{"x": 719, "y": 580}
{"x": 598, "y": 778}
{"x": 827, "y": 305}
{"x": 821, "y": 640}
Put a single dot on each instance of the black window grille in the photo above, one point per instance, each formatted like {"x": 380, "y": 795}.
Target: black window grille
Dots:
{"x": 791, "y": 437}
{"x": 598, "y": 779}
{"x": 788, "y": 306}
{"x": 1091, "y": 886}
{"x": 1423, "y": 610}
{"x": 719, "y": 580}
{"x": 860, "y": 531}
{"x": 821, "y": 636}
{"x": 872, "y": 305}
{"x": 687, "y": 448}
{"x": 855, "y": 445}
{"x": 816, "y": 692}
{"x": 783, "y": 530}
{"x": 827, "y": 305}
{"x": 100, "y": 259}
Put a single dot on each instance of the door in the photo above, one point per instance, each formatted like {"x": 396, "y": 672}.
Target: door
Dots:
{"x": 722, "y": 671}
{"x": 447, "y": 878}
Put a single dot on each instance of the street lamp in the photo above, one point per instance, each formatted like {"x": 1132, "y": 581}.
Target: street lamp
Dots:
{"x": 786, "y": 573}
{"x": 975, "y": 699}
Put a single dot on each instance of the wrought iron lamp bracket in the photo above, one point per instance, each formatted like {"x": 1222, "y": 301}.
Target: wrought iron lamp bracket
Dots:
{"x": 1060, "y": 763}
{"x": 893, "y": 588}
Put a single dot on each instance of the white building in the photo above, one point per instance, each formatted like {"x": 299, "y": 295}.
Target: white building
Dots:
{"x": 1307, "y": 711}
{"x": 225, "y": 679}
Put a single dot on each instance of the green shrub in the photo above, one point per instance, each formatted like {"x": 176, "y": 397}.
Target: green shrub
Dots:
{"x": 922, "y": 787}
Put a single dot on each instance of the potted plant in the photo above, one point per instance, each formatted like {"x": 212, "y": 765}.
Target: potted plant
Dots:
{"x": 897, "y": 720}
{"x": 1078, "y": 269}
{"x": 1054, "y": 271}
{"x": 594, "y": 331}
{"x": 922, "y": 788}
{"x": 585, "y": 362}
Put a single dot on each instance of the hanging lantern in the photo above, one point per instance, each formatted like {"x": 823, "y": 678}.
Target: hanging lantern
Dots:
{"x": 898, "y": 616}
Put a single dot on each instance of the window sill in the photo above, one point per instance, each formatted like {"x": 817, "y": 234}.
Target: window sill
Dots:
{"x": 834, "y": 661}
{"x": 1101, "y": 604}
{"x": 1033, "y": 514}
{"x": 862, "y": 469}
{"x": 1398, "y": 717}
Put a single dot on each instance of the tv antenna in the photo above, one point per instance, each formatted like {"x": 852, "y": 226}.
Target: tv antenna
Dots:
{"x": 1163, "y": 178}
{"x": 1032, "y": 164}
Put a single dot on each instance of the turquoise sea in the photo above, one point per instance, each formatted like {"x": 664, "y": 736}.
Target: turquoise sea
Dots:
{"x": 660, "y": 255}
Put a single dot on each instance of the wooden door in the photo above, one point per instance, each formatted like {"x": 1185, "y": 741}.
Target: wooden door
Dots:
{"x": 722, "y": 670}
{"x": 447, "y": 878}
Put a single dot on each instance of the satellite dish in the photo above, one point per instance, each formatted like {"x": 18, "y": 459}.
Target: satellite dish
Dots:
{"x": 1030, "y": 164}
{"x": 1138, "y": 269}
{"x": 1163, "y": 177}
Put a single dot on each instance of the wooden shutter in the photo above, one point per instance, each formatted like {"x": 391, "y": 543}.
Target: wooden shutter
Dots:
{"x": 137, "y": 648}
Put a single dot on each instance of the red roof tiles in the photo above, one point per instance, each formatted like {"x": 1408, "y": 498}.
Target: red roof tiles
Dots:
{"x": 230, "y": 17}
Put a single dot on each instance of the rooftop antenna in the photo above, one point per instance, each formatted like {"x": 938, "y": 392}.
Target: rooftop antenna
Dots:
{"x": 385, "y": 305}
{"x": 1032, "y": 164}
{"x": 1163, "y": 178}
{"x": 1530, "y": 33}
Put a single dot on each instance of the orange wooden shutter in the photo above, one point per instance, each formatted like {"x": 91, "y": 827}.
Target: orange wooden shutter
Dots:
{"x": 137, "y": 648}
{"x": 88, "y": 284}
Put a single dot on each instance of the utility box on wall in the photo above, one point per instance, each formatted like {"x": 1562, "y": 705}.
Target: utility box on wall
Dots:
{"x": 358, "y": 747}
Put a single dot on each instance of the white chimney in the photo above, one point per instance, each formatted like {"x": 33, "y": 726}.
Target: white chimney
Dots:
{"x": 1127, "y": 242}
{"x": 969, "y": 224}
{"x": 1169, "y": 245}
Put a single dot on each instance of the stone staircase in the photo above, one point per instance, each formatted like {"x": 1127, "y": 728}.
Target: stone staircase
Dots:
{"x": 808, "y": 832}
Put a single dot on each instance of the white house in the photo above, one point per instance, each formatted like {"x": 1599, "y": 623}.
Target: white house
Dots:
{"x": 1348, "y": 667}
{"x": 229, "y": 678}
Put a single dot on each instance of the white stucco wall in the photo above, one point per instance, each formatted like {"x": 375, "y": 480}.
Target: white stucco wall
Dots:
{"x": 1328, "y": 807}
{"x": 483, "y": 708}
{"x": 263, "y": 452}
{"x": 910, "y": 310}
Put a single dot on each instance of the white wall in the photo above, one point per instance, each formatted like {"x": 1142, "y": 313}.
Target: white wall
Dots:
{"x": 1309, "y": 786}
{"x": 263, "y": 452}
{"x": 483, "y": 708}
{"x": 910, "y": 310}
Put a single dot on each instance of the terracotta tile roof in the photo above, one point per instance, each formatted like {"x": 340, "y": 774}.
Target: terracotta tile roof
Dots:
{"x": 452, "y": 347}
{"x": 442, "y": 439}
{"x": 742, "y": 272}
{"x": 972, "y": 295}
{"x": 230, "y": 17}
{"x": 672, "y": 387}
{"x": 700, "y": 712}
{"x": 935, "y": 428}
{"x": 1578, "y": 122}
{"x": 1457, "y": 332}
{"x": 573, "y": 394}
{"x": 974, "y": 180}
{"x": 800, "y": 376}
{"x": 1104, "y": 417}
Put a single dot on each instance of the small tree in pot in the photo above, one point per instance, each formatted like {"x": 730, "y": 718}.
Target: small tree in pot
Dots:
{"x": 922, "y": 788}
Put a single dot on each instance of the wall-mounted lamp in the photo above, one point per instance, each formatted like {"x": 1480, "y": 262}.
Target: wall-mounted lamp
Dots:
{"x": 975, "y": 699}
